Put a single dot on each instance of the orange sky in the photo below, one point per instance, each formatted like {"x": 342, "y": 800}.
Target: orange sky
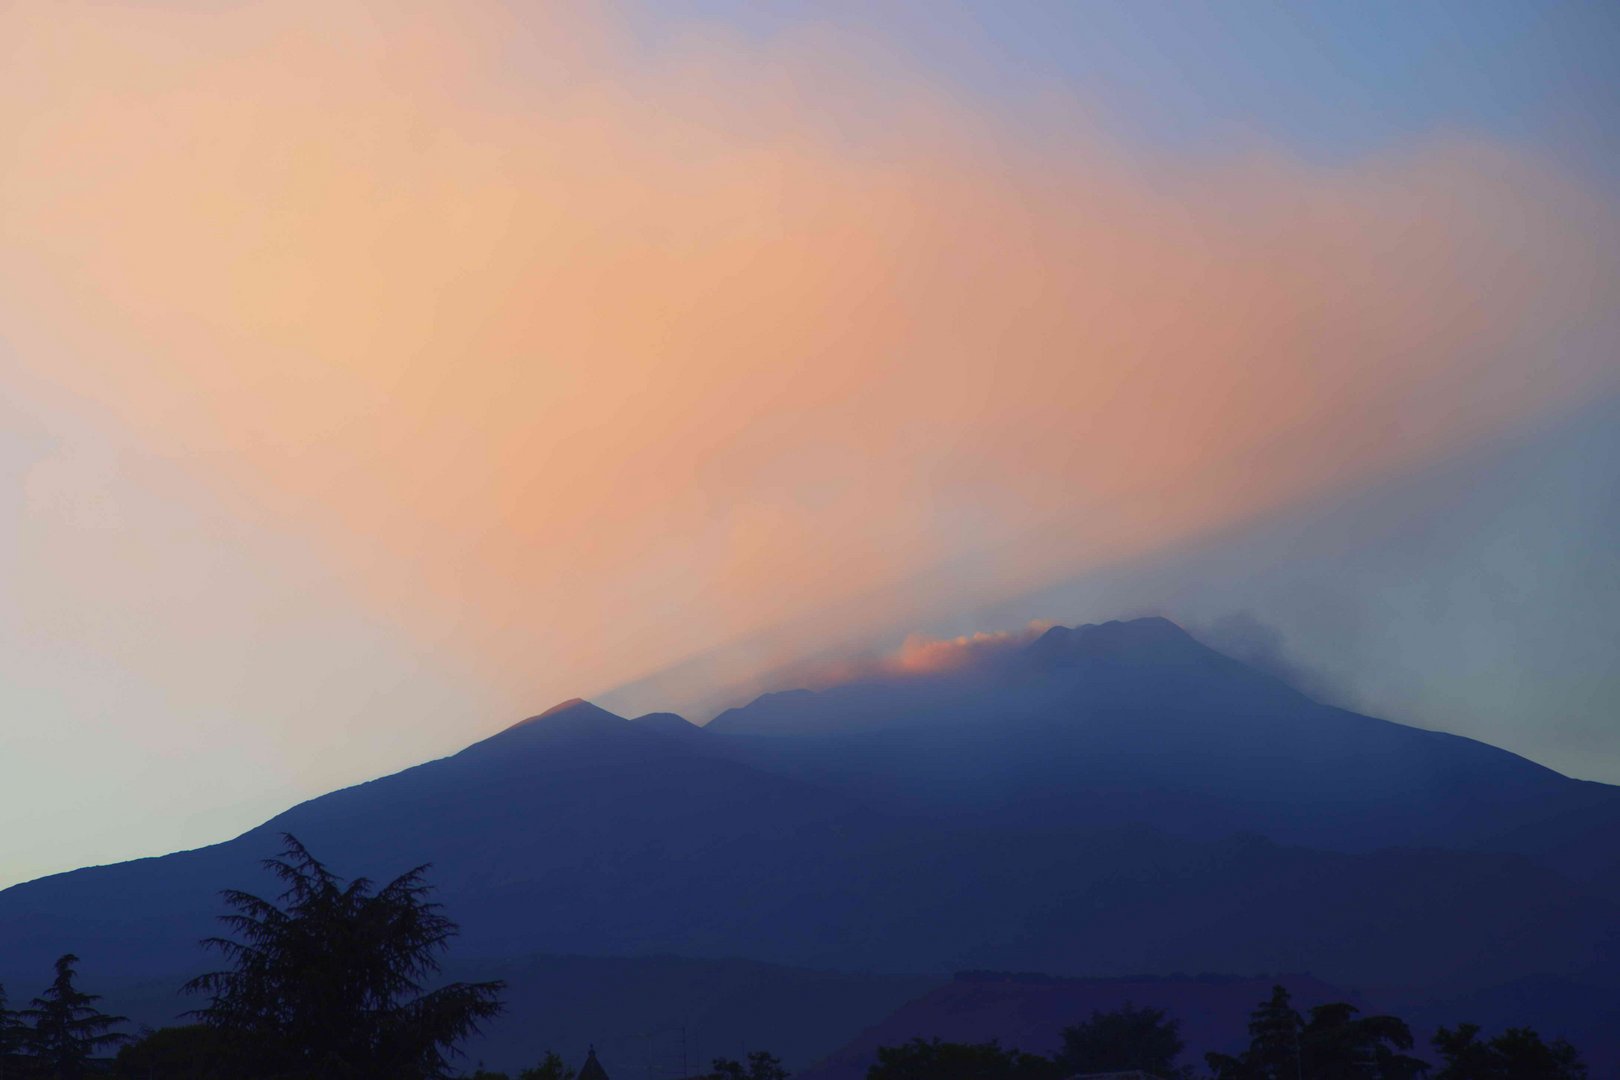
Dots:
{"x": 569, "y": 364}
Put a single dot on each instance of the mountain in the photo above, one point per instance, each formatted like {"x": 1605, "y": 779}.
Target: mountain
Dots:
{"x": 667, "y": 722}
{"x": 1138, "y": 723}
{"x": 1103, "y": 801}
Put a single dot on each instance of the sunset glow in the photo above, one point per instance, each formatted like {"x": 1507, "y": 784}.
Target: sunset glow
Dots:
{"x": 538, "y": 361}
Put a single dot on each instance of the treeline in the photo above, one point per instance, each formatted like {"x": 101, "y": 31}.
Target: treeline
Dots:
{"x": 326, "y": 982}
{"x": 760, "y": 1065}
{"x": 1331, "y": 1042}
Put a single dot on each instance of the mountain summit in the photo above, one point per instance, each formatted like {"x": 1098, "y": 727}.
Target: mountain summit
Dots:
{"x": 574, "y": 716}
{"x": 1102, "y": 800}
{"x": 1139, "y": 723}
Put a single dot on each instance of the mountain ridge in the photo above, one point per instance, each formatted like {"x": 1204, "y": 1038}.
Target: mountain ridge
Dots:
{"x": 1132, "y": 801}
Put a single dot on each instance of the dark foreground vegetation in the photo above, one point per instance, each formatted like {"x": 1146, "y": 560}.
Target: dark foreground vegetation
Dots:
{"x": 326, "y": 982}
{"x": 1331, "y": 1042}
{"x": 329, "y": 981}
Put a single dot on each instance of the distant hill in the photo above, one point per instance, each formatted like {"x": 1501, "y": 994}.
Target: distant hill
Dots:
{"x": 1102, "y": 801}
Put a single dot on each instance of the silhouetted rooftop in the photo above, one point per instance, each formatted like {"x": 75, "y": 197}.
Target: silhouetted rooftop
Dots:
{"x": 592, "y": 1069}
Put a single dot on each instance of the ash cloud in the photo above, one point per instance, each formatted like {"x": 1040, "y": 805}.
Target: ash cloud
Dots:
{"x": 1246, "y": 637}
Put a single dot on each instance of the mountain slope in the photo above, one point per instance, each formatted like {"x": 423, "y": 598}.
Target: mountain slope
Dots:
{"x": 1137, "y": 722}
{"x": 988, "y": 818}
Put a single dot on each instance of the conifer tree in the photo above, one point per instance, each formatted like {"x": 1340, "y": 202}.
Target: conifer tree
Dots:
{"x": 1275, "y": 1051}
{"x": 68, "y": 1028}
{"x": 1274, "y": 1030}
{"x": 327, "y": 981}
{"x": 14, "y": 1038}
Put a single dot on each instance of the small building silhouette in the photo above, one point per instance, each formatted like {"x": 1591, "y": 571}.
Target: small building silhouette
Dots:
{"x": 592, "y": 1069}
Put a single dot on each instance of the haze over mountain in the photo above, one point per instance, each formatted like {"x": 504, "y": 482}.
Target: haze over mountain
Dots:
{"x": 1137, "y": 722}
{"x": 1104, "y": 800}
{"x": 370, "y": 381}
{"x": 368, "y": 378}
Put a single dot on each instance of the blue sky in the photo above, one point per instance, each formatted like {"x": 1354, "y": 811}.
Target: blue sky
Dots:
{"x": 1329, "y": 80}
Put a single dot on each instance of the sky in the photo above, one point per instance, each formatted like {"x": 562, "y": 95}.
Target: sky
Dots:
{"x": 373, "y": 376}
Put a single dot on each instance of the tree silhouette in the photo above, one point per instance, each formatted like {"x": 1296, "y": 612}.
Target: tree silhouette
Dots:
{"x": 1335, "y": 1044}
{"x": 68, "y": 1028}
{"x": 326, "y": 982}
{"x": 1339, "y": 1045}
{"x": 192, "y": 1052}
{"x": 551, "y": 1067}
{"x": 1516, "y": 1054}
{"x": 936, "y": 1060}
{"x": 761, "y": 1066}
{"x": 1275, "y": 1050}
{"x": 14, "y": 1038}
{"x": 1123, "y": 1040}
